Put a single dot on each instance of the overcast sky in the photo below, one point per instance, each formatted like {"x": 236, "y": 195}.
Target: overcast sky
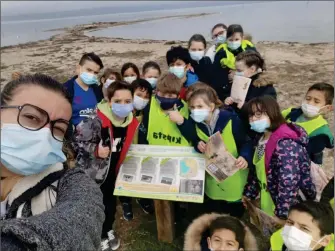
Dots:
{"x": 29, "y": 7}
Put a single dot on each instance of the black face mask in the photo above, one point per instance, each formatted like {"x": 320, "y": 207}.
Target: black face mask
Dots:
{"x": 166, "y": 103}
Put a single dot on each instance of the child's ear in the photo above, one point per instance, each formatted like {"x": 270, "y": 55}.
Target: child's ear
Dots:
{"x": 212, "y": 106}
{"x": 209, "y": 243}
{"x": 102, "y": 80}
{"x": 326, "y": 240}
{"x": 326, "y": 109}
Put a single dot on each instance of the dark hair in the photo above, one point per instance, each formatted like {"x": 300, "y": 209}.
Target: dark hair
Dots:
{"x": 150, "y": 64}
{"x": 169, "y": 83}
{"x": 219, "y": 25}
{"x": 266, "y": 104}
{"x": 209, "y": 94}
{"x": 37, "y": 79}
{"x": 321, "y": 212}
{"x": 176, "y": 53}
{"x": 128, "y": 65}
{"x": 233, "y": 28}
{"x": 119, "y": 85}
{"x": 326, "y": 88}
{"x": 91, "y": 57}
{"x": 251, "y": 58}
{"x": 230, "y": 223}
{"x": 109, "y": 72}
{"x": 143, "y": 85}
{"x": 197, "y": 38}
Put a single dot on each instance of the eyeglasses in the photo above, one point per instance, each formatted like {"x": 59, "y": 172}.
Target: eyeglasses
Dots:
{"x": 34, "y": 118}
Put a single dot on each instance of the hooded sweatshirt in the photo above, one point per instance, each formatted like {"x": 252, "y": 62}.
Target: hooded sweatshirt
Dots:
{"x": 198, "y": 231}
{"x": 287, "y": 166}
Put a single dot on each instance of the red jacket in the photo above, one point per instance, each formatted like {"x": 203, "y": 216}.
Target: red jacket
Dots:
{"x": 131, "y": 130}
{"x": 182, "y": 93}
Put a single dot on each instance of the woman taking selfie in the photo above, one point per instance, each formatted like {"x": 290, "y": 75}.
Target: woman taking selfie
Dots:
{"x": 44, "y": 206}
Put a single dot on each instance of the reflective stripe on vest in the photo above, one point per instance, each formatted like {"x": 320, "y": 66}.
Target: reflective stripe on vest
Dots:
{"x": 229, "y": 60}
{"x": 311, "y": 125}
{"x": 162, "y": 131}
{"x": 231, "y": 189}
{"x": 267, "y": 204}
{"x": 277, "y": 242}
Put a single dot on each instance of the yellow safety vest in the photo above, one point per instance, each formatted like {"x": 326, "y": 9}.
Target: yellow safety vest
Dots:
{"x": 229, "y": 60}
{"x": 332, "y": 203}
{"x": 277, "y": 242}
{"x": 161, "y": 130}
{"x": 311, "y": 125}
{"x": 267, "y": 204}
{"x": 231, "y": 189}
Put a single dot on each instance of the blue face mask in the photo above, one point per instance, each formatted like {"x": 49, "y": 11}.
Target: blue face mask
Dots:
{"x": 220, "y": 39}
{"x": 178, "y": 71}
{"x": 234, "y": 45}
{"x": 166, "y": 103}
{"x": 152, "y": 81}
{"x": 88, "y": 78}
{"x": 199, "y": 115}
{"x": 27, "y": 152}
{"x": 239, "y": 73}
{"x": 122, "y": 110}
{"x": 260, "y": 126}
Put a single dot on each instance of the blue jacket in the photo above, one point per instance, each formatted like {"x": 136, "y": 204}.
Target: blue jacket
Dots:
{"x": 316, "y": 143}
{"x": 243, "y": 143}
{"x": 191, "y": 78}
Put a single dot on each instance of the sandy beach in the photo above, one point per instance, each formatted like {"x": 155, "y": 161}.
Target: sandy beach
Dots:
{"x": 295, "y": 65}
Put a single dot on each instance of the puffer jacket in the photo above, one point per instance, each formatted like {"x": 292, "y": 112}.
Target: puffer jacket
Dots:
{"x": 197, "y": 233}
{"x": 287, "y": 167}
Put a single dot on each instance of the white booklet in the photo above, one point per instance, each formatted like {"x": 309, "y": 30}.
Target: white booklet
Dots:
{"x": 239, "y": 90}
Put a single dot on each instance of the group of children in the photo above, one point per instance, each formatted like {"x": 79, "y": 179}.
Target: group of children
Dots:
{"x": 187, "y": 105}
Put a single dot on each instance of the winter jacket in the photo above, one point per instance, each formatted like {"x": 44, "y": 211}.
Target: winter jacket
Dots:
{"x": 87, "y": 139}
{"x": 221, "y": 119}
{"x": 287, "y": 168}
{"x": 320, "y": 139}
{"x": 191, "y": 78}
{"x": 198, "y": 231}
{"x": 69, "y": 87}
{"x": 73, "y": 223}
{"x": 203, "y": 69}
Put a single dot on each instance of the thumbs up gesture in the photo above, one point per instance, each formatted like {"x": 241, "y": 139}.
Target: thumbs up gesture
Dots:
{"x": 175, "y": 116}
{"x": 103, "y": 151}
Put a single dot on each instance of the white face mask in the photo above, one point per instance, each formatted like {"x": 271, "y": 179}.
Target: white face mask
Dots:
{"x": 197, "y": 55}
{"x": 108, "y": 82}
{"x": 129, "y": 80}
{"x": 152, "y": 81}
{"x": 296, "y": 240}
{"x": 310, "y": 111}
{"x": 139, "y": 103}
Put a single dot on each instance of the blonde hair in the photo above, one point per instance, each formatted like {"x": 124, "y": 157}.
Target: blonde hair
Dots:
{"x": 169, "y": 83}
{"x": 196, "y": 86}
{"x": 208, "y": 94}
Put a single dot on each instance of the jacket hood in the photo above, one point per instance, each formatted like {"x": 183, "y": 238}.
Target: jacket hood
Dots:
{"x": 105, "y": 109}
{"x": 195, "y": 231}
{"x": 286, "y": 131}
{"x": 263, "y": 79}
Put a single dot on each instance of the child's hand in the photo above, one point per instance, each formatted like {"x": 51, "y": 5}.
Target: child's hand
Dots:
{"x": 241, "y": 163}
{"x": 229, "y": 101}
{"x": 103, "y": 151}
{"x": 202, "y": 146}
{"x": 175, "y": 116}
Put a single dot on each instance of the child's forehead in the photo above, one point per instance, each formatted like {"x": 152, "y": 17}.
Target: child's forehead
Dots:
{"x": 141, "y": 89}
{"x": 303, "y": 218}
{"x": 316, "y": 94}
{"x": 178, "y": 61}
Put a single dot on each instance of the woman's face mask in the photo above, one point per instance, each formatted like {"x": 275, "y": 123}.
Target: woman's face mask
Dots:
{"x": 130, "y": 79}
{"x": 26, "y": 152}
